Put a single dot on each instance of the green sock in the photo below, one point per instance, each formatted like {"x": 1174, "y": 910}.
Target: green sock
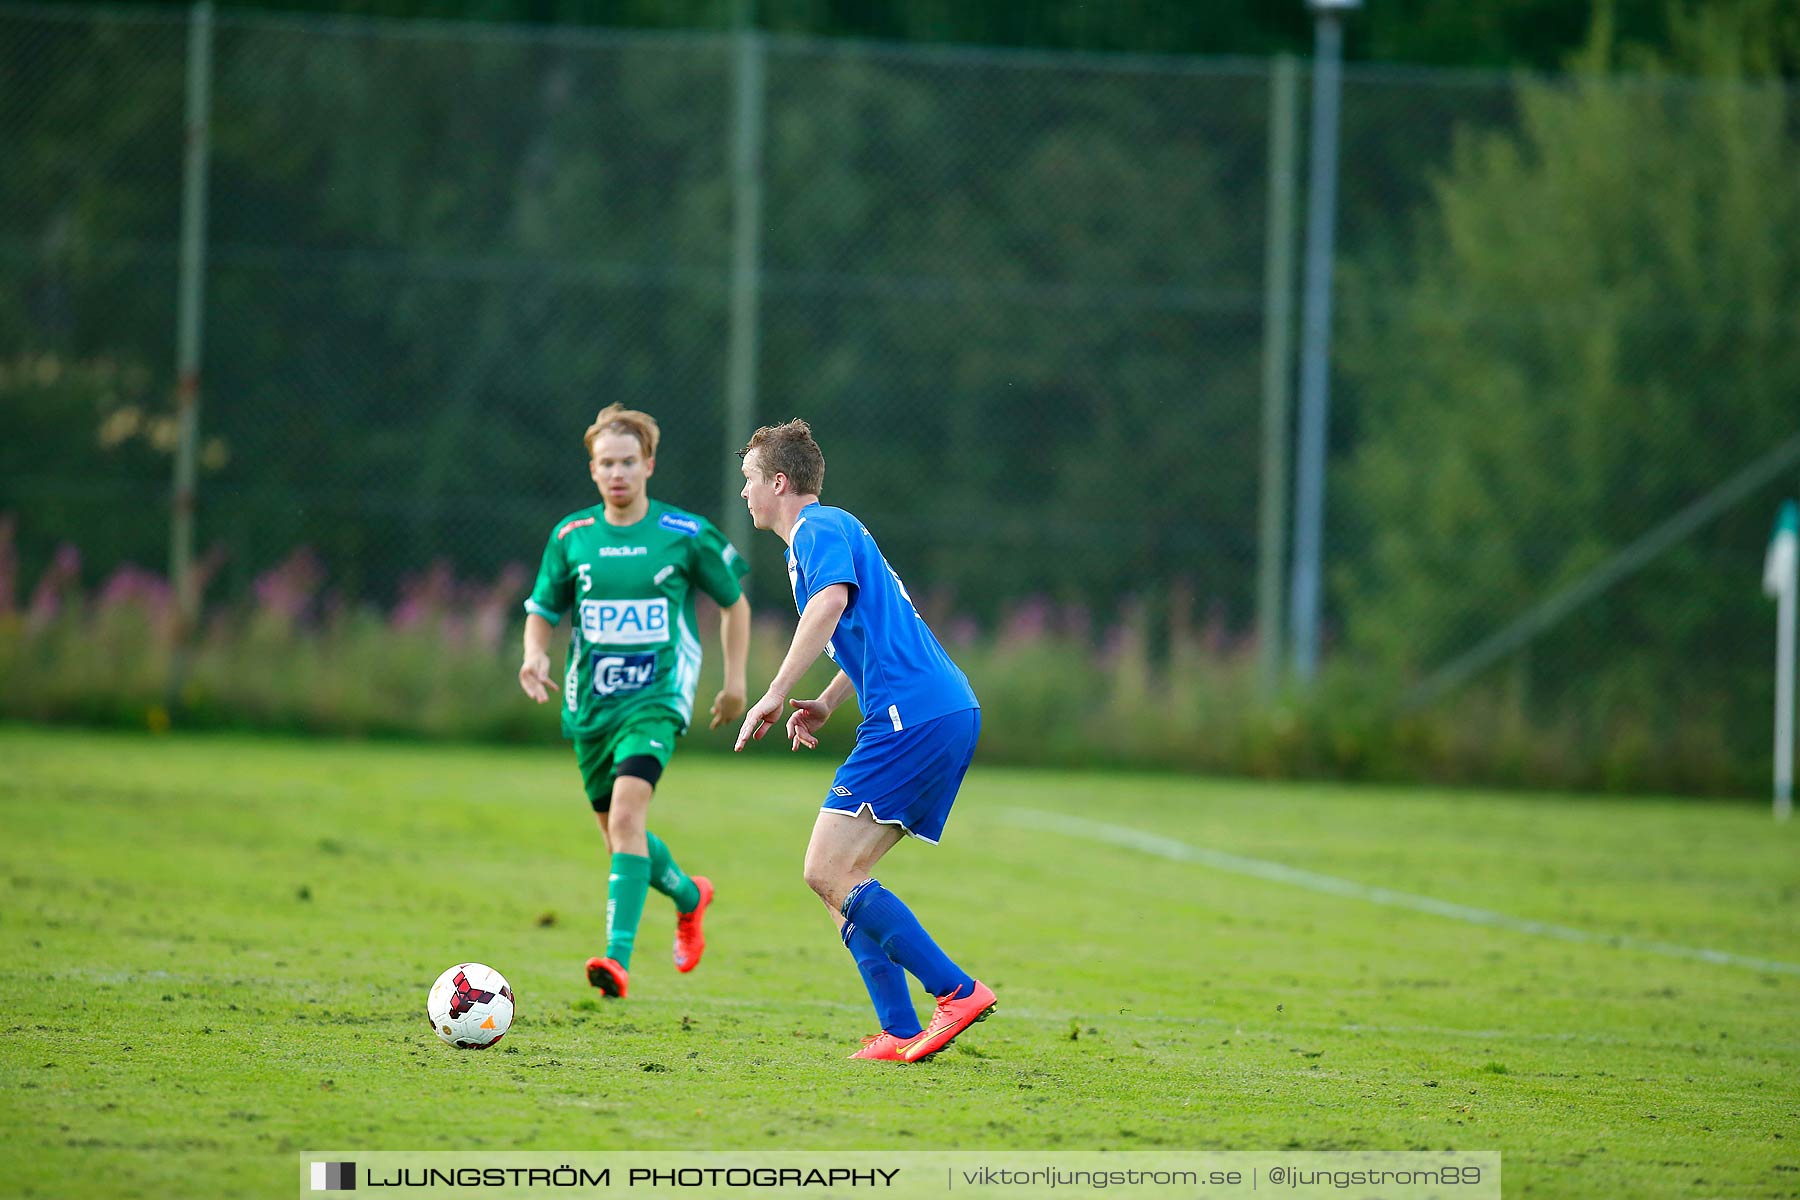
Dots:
{"x": 625, "y": 892}
{"x": 670, "y": 879}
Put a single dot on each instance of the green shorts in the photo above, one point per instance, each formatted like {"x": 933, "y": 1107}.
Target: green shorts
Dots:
{"x": 650, "y": 734}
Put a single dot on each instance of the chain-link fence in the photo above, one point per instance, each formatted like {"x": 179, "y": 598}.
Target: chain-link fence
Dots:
{"x": 1021, "y": 297}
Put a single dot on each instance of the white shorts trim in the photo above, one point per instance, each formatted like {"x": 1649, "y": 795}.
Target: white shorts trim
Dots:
{"x": 870, "y": 809}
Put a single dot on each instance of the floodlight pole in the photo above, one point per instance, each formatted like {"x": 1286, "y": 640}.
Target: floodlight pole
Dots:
{"x": 1315, "y": 351}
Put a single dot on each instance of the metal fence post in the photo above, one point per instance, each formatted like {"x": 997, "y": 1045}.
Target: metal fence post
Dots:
{"x": 190, "y": 317}
{"x": 1278, "y": 309}
{"x": 746, "y": 268}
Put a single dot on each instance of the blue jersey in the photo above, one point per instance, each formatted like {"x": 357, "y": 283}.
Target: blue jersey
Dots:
{"x": 902, "y": 675}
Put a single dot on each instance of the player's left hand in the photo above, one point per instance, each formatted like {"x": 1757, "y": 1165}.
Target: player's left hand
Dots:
{"x": 762, "y": 715}
{"x": 726, "y": 706}
{"x": 804, "y": 721}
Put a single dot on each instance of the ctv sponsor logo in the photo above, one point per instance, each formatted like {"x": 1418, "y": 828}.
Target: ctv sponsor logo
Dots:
{"x": 615, "y": 674}
{"x": 685, "y": 525}
{"x": 333, "y": 1177}
{"x": 623, "y": 551}
{"x": 625, "y": 622}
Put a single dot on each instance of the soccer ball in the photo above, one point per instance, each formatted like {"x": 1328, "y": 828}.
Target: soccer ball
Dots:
{"x": 470, "y": 1006}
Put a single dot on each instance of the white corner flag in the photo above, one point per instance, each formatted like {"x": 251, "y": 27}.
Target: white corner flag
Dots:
{"x": 1780, "y": 568}
{"x": 1784, "y": 551}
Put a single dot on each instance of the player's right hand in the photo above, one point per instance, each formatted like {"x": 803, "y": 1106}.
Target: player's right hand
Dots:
{"x": 534, "y": 677}
{"x": 804, "y": 722}
{"x": 762, "y": 714}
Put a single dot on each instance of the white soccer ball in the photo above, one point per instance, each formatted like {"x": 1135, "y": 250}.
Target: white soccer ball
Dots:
{"x": 470, "y": 1006}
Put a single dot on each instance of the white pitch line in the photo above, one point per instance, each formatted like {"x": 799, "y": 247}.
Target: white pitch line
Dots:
{"x": 1162, "y": 847}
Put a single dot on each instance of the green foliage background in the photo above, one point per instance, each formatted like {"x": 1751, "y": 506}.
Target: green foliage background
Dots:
{"x": 1019, "y": 296}
{"x": 1601, "y": 309}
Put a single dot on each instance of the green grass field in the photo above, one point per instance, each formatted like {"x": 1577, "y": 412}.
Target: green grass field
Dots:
{"x": 218, "y": 949}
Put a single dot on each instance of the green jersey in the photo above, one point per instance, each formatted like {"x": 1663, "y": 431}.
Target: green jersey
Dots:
{"x": 632, "y": 644}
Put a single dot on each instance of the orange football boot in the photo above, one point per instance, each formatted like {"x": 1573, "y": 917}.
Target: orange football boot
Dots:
{"x": 951, "y": 1018}
{"x": 608, "y": 976}
{"x": 884, "y": 1046}
{"x": 690, "y": 943}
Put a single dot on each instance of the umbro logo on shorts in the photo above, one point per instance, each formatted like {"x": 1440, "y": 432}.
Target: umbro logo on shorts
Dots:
{"x": 840, "y": 790}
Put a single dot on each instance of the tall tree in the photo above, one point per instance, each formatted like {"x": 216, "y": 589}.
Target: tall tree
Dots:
{"x": 1600, "y": 329}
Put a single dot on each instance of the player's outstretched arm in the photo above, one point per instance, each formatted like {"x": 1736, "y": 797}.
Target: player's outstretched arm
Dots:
{"x": 734, "y": 647}
{"x": 810, "y": 715}
{"x": 816, "y": 626}
{"x": 534, "y": 672}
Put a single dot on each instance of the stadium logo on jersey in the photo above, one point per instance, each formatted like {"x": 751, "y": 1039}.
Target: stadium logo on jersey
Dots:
{"x": 625, "y": 622}
{"x": 685, "y": 525}
{"x": 577, "y": 523}
{"x": 623, "y": 551}
{"x": 615, "y": 674}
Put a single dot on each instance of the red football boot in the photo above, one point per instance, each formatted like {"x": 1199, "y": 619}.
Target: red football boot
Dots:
{"x": 608, "y": 976}
{"x": 690, "y": 943}
{"x": 883, "y": 1046}
{"x": 951, "y": 1018}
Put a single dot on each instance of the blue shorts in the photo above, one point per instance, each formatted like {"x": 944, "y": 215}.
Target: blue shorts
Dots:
{"x": 908, "y": 777}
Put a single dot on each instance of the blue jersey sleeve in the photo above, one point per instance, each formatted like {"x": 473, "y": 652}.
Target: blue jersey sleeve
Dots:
{"x": 824, "y": 557}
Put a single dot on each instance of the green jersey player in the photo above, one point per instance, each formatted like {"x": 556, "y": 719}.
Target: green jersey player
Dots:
{"x": 626, "y": 570}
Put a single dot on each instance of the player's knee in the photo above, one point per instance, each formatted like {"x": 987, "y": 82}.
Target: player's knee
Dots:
{"x": 823, "y": 882}
{"x": 625, "y": 827}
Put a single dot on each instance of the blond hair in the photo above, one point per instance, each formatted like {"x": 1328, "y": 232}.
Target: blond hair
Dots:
{"x": 789, "y": 449}
{"x": 616, "y": 418}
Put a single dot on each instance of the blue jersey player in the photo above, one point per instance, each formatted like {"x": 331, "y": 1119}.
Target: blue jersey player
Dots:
{"x": 920, "y": 723}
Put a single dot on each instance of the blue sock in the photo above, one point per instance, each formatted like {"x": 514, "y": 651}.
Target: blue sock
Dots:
{"x": 879, "y": 913}
{"x": 886, "y": 983}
